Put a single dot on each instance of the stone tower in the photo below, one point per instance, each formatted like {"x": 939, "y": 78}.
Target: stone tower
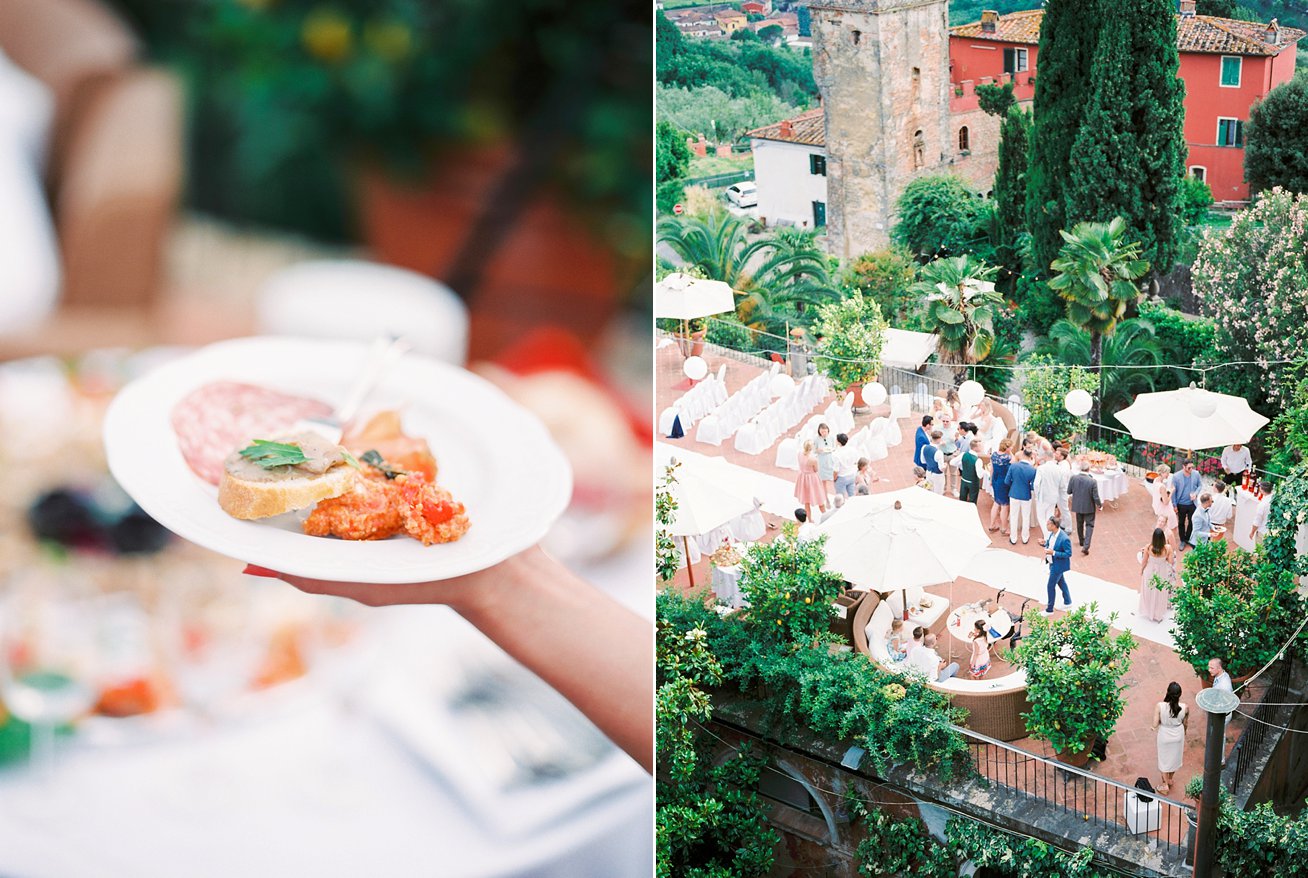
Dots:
{"x": 882, "y": 68}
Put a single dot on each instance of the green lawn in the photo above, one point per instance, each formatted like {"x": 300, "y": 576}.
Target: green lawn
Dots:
{"x": 711, "y": 165}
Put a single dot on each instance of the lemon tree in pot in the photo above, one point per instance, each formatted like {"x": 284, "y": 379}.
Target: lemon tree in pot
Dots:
{"x": 852, "y": 333}
{"x": 1074, "y": 667}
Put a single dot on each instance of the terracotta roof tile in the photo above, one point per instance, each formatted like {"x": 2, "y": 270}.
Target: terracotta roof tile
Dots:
{"x": 1198, "y": 33}
{"x": 806, "y": 128}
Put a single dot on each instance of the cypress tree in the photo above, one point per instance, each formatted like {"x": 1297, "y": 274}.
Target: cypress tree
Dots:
{"x": 1129, "y": 155}
{"x": 1069, "y": 34}
{"x": 1010, "y": 185}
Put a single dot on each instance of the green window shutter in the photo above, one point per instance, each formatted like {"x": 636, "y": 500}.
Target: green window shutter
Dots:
{"x": 1231, "y": 70}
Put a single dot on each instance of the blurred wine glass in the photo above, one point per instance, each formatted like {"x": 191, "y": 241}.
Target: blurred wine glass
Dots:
{"x": 211, "y": 645}
{"x": 49, "y": 647}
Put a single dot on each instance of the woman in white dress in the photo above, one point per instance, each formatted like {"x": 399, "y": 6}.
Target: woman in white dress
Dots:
{"x": 1170, "y": 716}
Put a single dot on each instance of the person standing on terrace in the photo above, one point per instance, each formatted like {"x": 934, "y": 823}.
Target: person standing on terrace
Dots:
{"x": 1186, "y": 486}
{"x": 932, "y": 461}
{"x": 1236, "y": 461}
{"x": 808, "y": 487}
{"x": 1259, "y": 529}
{"x": 969, "y": 473}
{"x": 1170, "y": 717}
{"x": 846, "y": 466}
{"x": 1021, "y": 482}
{"x": 1083, "y": 498}
{"x": 1058, "y": 554}
{"x": 1202, "y": 526}
{"x": 1000, "y": 461}
{"x": 825, "y": 447}
{"x": 922, "y": 437}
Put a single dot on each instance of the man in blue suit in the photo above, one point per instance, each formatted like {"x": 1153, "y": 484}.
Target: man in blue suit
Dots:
{"x": 1021, "y": 484}
{"x": 922, "y": 437}
{"x": 1058, "y": 555}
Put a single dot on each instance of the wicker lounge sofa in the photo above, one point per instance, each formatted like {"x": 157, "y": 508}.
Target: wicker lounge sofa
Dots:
{"x": 994, "y": 705}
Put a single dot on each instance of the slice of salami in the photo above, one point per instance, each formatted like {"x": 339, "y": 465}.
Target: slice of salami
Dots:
{"x": 214, "y": 420}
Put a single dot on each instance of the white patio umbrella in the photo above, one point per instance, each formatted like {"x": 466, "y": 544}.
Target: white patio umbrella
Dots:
{"x": 682, "y": 297}
{"x": 901, "y": 539}
{"x": 1191, "y": 418}
{"x": 708, "y": 496}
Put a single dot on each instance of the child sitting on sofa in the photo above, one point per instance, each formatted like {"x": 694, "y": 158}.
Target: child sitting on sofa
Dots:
{"x": 896, "y": 647}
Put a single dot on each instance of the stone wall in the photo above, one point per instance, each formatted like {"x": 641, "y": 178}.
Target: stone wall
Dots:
{"x": 882, "y": 67}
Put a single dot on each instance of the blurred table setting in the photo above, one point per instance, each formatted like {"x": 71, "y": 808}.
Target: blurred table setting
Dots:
{"x": 161, "y": 712}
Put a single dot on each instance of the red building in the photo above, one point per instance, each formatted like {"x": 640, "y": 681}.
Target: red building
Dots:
{"x": 1227, "y": 66}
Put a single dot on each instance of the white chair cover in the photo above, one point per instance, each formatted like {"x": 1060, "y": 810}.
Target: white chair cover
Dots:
{"x": 749, "y": 439}
{"x": 666, "y": 417}
{"x": 788, "y": 454}
{"x": 901, "y": 405}
{"x": 893, "y": 436}
{"x": 709, "y": 431}
{"x": 751, "y": 526}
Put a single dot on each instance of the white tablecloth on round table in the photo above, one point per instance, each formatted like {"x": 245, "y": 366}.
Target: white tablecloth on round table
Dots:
{"x": 1111, "y": 485}
{"x": 966, "y": 616}
{"x": 726, "y": 585}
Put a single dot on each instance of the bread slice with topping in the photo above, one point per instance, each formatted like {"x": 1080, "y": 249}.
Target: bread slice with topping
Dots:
{"x": 270, "y": 477}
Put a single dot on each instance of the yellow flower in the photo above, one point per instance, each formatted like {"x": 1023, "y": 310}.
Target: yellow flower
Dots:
{"x": 389, "y": 40}
{"x": 808, "y": 600}
{"x": 326, "y": 35}
{"x": 787, "y": 595}
{"x": 778, "y": 621}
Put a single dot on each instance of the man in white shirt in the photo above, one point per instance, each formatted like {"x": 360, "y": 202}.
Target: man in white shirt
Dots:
{"x": 1050, "y": 487}
{"x": 1259, "y": 529}
{"x": 846, "y": 466}
{"x": 1221, "y": 680}
{"x": 807, "y": 530}
{"x": 926, "y": 661}
{"x": 1235, "y": 461}
{"x": 1220, "y": 512}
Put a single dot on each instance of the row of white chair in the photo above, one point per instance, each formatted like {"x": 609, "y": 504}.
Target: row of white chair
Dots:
{"x": 780, "y": 417}
{"x": 701, "y": 399}
{"x": 722, "y": 423}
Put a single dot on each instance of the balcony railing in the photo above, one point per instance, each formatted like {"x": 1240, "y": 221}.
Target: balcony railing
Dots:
{"x": 1103, "y": 804}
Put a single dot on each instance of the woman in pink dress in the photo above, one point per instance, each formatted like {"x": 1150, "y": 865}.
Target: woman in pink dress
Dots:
{"x": 1163, "y": 507}
{"x": 1157, "y": 559}
{"x": 808, "y": 487}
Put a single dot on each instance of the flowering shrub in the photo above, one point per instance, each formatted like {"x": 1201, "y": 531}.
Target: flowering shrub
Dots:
{"x": 1252, "y": 281}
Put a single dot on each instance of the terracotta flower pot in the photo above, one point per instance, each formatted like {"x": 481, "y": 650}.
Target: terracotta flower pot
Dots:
{"x": 1076, "y": 760}
{"x": 550, "y": 267}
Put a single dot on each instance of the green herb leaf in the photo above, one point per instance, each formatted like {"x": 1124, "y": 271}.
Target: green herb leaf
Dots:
{"x": 350, "y": 459}
{"x": 268, "y": 454}
{"x": 373, "y": 458}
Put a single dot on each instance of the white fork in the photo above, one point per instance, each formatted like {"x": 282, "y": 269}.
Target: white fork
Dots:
{"x": 384, "y": 354}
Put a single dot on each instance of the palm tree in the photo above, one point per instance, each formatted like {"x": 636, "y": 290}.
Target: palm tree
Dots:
{"x": 1097, "y": 273}
{"x": 961, "y": 303}
{"x": 775, "y": 277}
{"x": 1132, "y": 344}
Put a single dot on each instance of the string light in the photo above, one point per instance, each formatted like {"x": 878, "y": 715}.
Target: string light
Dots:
{"x": 1014, "y": 367}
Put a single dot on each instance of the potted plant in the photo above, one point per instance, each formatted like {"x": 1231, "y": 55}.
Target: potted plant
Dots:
{"x": 492, "y": 151}
{"x": 852, "y": 332}
{"x": 1074, "y": 668}
{"x": 1235, "y": 606}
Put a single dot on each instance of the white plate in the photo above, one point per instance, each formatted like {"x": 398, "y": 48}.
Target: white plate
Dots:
{"x": 494, "y": 456}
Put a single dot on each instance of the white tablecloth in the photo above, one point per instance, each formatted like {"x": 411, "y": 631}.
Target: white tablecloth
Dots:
{"x": 1111, "y": 485}
{"x": 726, "y": 585}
